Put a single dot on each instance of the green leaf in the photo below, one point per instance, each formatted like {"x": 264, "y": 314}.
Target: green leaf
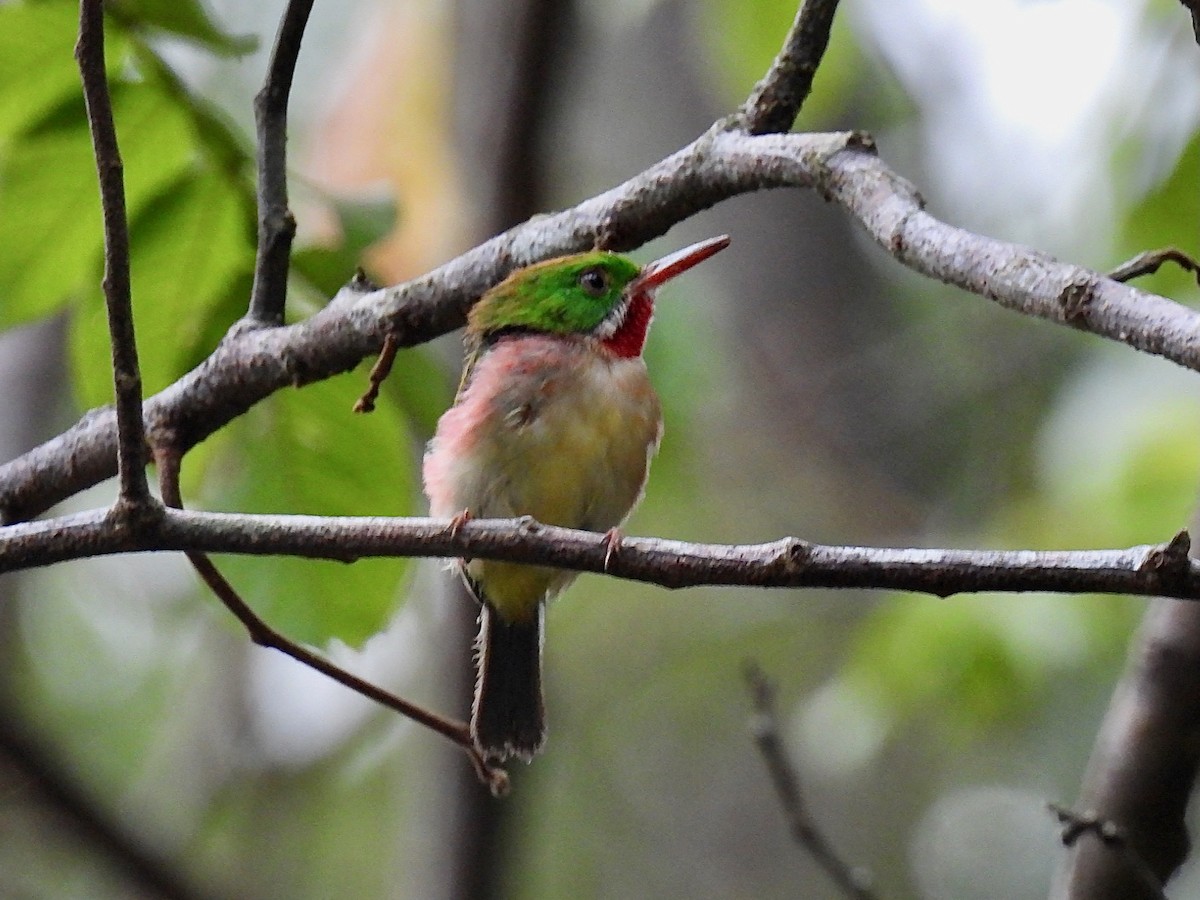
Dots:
{"x": 1166, "y": 216}
{"x": 305, "y": 452}
{"x": 190, "y": 245}
{"x": 956, "y": 659}
{"x": 50, "y": 225}
{"x": 363, "y": 222}
{"x": 744, "y": 38}
{"x": 188, "y": 19}
{"x": 37, "y": 63}
{"x": 421, "y": 386}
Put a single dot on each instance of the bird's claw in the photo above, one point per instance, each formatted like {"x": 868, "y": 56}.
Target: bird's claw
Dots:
{"x": 458, "y": 522}
{"x": 612, "y": 540}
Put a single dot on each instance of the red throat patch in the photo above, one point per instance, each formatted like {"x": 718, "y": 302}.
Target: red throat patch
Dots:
{"x": 628, "y": 340}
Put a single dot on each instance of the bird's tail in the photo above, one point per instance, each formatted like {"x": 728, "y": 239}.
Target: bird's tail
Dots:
{"x": 509, "y": 716}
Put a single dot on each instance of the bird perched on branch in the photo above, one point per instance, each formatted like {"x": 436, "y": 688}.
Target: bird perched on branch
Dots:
{"x": 556, "y": 419}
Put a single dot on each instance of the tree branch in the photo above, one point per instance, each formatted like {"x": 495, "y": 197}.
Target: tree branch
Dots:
{"x": 127, "y": 378}
{"x": 776, "y": 100}
{"x": 251, "y": 364}
{"x": 1143, "y": 570}
{"x": 1144, "y": 765}
{"x": 276, "y": 224}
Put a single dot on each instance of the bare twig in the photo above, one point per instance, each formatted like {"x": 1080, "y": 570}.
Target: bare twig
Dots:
{"x": 379, "y": 373}
{"x": 852, "y": 880}
{"x": 776, "y": 100}
{"x": 1115, "y": 844}
{"x": 276, "y": 224}
{"x": 1151, "y": 261}
{"x": 127, "y": 379}
{"x": 788, "y": 562}
{"x": 168, "y": 461}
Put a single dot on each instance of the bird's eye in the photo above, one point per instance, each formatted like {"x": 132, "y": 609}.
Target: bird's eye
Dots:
{"x": 594, "y": 281}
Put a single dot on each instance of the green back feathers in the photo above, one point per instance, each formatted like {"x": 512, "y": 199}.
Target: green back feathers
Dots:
{"x": 567, "y": 295}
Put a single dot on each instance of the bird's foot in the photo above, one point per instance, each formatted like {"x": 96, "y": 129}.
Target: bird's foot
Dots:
{"x": 612, "y": 540}
{"x": 458, "y": 522}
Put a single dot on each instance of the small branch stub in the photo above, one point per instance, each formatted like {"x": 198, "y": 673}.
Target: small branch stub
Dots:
{"x": 1151, "y": 261}
{"x": 379, "y": 374}
{"x": 1170, "y": 561}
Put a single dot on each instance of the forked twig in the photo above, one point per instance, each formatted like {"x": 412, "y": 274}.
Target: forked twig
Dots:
{"x": 168, "y": 461}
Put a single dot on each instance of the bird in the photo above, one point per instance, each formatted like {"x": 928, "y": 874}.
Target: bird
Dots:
{"x": 556, "y": 419}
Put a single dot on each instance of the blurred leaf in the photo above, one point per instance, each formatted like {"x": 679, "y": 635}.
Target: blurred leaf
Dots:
{"x": 327, "y": 269}
{"x": 744, "y": 39}
{"x": 1117, "y": 460}
{"x": 188, "y": 19}
{"x": 920, "y": 654}
{"x": 1166, "y": 217}
{"x": 224, "y": 143}
{"x": 420, "y": 386}
{"x": 305, "y": 452}
{"x": 37, "y": 66}
{"x": 191, "y": 243}
{"x": 362, "y": 222}
{"x": 49, "y": 199}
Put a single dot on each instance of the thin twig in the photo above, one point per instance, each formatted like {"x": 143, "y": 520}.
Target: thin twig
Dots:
{"x": 127, "y": 379}
{"x": 379, "y": 373}
{"x": 168, "y": 462}
{"x": 276, "y": 224}
{"x": 1150, "y": 261}
{"x": 776, "y": 100}
{"x": 853, "y": 880}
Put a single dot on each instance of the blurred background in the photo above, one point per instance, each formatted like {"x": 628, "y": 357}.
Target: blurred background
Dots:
{"x": 811, "y": 387}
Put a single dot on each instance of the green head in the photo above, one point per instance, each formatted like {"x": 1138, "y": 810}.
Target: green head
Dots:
{"x": 568, "y": 295}
{"x": 599, "y": 294}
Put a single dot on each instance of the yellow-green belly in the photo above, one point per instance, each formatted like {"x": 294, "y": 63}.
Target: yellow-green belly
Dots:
{"x": 548, "y": 428}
